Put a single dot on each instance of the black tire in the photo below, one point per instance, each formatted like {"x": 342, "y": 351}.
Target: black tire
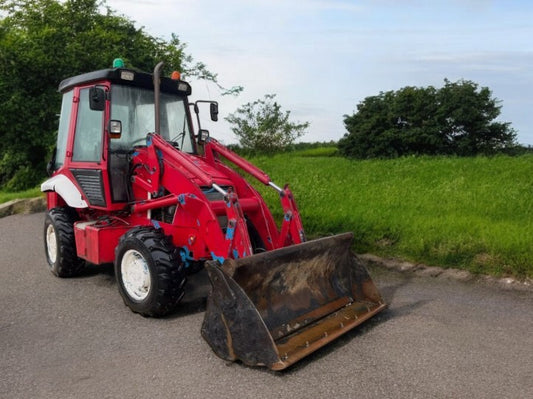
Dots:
{"x": 60, "y": 244}
{"x": 149, "y": 272}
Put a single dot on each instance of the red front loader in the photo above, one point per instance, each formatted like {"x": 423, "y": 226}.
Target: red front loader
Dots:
{"x": 132, "y": 184}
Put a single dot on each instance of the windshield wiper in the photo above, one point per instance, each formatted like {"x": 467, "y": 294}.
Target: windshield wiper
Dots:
{"x": 182, "y": 135}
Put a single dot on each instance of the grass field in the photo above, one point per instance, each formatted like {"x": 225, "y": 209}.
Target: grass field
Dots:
{"x": 469, "y": 213}
{"x": 31, "y": 193}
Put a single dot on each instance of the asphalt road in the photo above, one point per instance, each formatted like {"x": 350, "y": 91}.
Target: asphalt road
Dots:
{"x": 74, "y": 338}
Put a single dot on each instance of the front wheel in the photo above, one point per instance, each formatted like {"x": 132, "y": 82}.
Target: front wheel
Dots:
{"x": 149, "y": 272}
{"x": 60, "y": 244}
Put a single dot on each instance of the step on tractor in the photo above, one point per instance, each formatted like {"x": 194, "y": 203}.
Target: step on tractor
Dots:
{"x": 135, "y": 181}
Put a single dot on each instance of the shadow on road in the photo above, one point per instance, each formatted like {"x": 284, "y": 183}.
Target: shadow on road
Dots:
{"x": 388, "y": 292}
{"x": 198, "y": 287}
{"x": 393, "y": 283}
{"x": 195, "y": 298}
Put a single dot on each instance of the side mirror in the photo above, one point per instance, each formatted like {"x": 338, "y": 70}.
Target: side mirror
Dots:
{"x": 97, "y": 99}
{"x": 213, "y": 108}
{"x": 115, "y": 129}
{"x": 50, "y": 166}
{"x": 203, "y": 135}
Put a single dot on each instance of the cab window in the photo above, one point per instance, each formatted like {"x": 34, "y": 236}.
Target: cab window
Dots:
{"x": 88, "y": 138}
{"x": 134, "y": 108}
{"x": 62, "y": 132}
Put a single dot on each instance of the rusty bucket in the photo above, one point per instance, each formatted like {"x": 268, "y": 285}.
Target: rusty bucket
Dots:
{"x": 274, "y": 308}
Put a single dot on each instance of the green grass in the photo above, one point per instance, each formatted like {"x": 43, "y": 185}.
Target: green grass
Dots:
{"x": 31, "y": 193}
{"x": 469, "y": 213}
{"x": 318, "y": 152}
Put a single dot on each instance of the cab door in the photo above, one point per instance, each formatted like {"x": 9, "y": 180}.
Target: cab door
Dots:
{"x": 88, "y": 163}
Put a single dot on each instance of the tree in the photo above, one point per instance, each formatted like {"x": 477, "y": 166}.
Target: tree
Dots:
{"x": 263, "y": 127}
{"x": 456, "y": 119}
{"x": 45, "y": 41}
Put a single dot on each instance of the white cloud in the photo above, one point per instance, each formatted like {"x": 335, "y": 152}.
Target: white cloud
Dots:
{"x": 323, "y": 57}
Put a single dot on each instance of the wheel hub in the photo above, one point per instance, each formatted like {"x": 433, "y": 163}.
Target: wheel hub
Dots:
{"x": 135, "y": 275}
{"x": 51, "y": 244}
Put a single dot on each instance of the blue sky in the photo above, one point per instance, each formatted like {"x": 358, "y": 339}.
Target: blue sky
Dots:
{"x": 321, "y": 58}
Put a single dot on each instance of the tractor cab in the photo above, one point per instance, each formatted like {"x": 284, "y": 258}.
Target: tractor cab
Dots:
{"x": 105, "y": 115}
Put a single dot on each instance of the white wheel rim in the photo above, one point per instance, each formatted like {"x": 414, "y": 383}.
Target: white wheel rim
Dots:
{"x": 51, "y": 243}
{"x": 135, "y": 275}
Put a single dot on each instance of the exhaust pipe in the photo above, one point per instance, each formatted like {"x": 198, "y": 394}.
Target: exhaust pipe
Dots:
{"x": 157, "y": 90}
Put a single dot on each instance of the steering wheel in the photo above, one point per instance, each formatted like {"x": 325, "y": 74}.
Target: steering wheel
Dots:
{"x": 138, "y": 142}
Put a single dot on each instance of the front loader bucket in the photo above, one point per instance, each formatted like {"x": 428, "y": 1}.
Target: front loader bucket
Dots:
{"x": 274, "y": 308}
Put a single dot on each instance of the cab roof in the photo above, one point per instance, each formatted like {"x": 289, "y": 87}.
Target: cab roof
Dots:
{"x": 127, "y": 77}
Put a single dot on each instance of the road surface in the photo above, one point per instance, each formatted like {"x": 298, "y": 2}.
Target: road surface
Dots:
{"x": 74, "y": 338}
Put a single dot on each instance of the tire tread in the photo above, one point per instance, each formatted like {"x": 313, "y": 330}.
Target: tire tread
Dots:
{"x": 169, "y": 271}
{"x": 68, "y": 264}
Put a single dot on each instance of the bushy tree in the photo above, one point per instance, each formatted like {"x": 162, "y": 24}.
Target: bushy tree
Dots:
{"x": 45, "y": 41}
{"x": 262, "y": 126}
{"x": 456, "y": 119}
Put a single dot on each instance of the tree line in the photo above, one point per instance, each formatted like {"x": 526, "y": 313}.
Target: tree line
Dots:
{"x": 45, "y": 41}
{"x": 457, "y": 119}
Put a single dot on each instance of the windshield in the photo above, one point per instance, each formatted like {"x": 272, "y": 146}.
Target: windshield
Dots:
{"x": 134, "y": 107}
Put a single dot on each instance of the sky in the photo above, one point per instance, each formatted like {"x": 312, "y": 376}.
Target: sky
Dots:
{"x": 321, "y": 58}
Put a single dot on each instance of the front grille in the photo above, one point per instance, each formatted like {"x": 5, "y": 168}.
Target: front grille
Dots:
{"x": 91, "y": 183}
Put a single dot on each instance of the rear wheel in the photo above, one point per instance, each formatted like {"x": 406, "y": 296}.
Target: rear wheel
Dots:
{"x": 149, "y": 272}
{"x": 60, "y": 244}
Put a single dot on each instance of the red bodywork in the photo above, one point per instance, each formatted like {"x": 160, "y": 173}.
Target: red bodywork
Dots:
{"x": 203, "y": 223}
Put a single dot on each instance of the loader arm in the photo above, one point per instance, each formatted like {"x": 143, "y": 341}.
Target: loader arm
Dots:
{"x": 169, "y": 177}
{"x": 292, "y": 231}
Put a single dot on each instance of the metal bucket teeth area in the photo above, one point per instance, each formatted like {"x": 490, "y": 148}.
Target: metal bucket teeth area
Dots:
{"x": 274, "y": 308}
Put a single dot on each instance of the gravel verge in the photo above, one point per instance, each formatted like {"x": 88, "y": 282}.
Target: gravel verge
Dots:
{"x": 24, "y": 206}
{"x": 419, "y": 269}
